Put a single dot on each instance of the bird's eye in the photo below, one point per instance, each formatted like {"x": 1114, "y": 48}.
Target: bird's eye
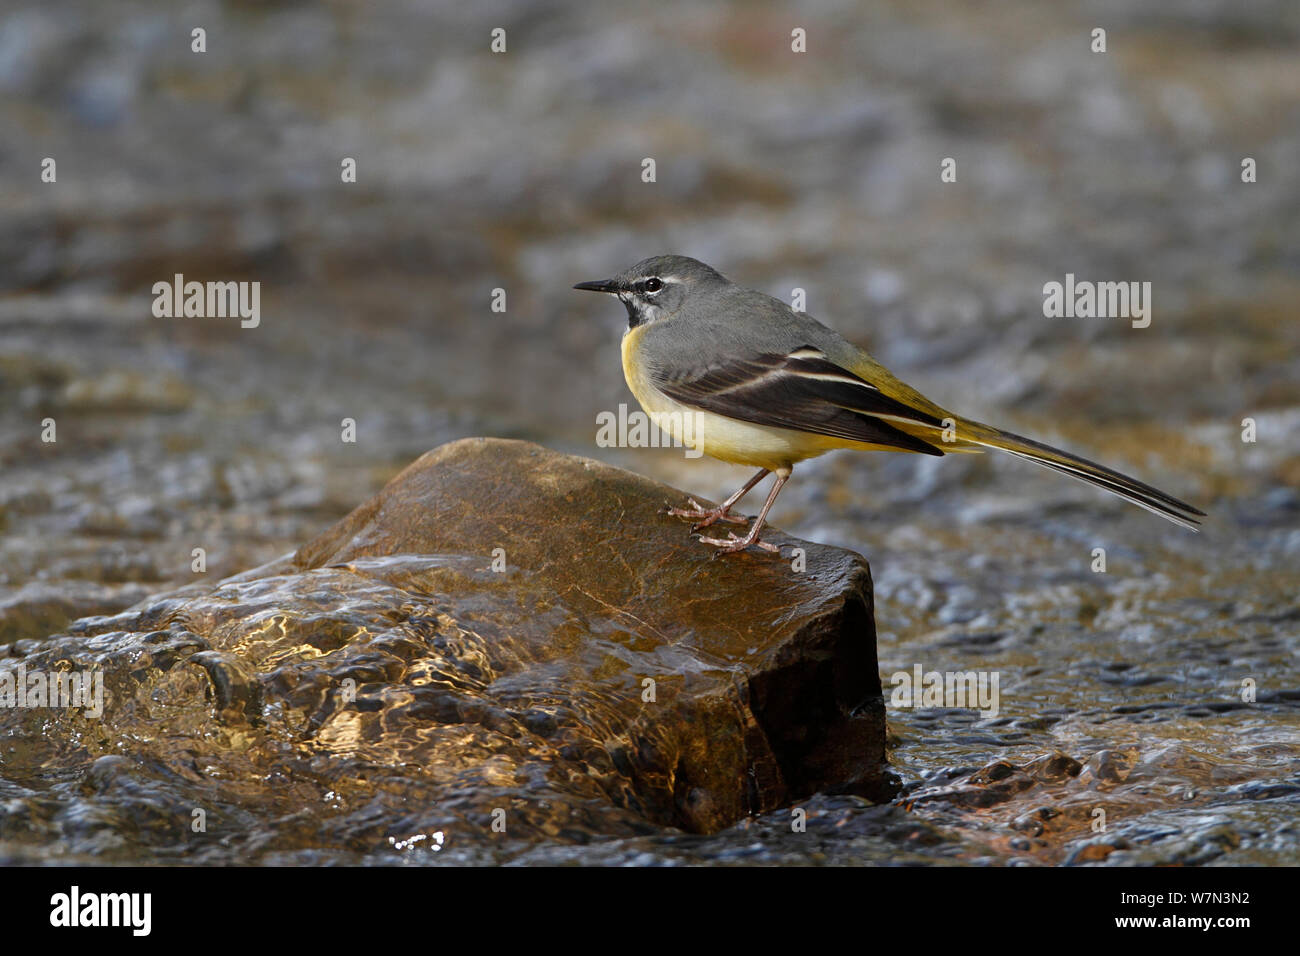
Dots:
{"x": 652, "y": 285}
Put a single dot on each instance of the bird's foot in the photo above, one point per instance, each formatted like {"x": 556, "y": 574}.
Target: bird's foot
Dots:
{"x": 705, "y": 516}
{"x": 732, "y": 544}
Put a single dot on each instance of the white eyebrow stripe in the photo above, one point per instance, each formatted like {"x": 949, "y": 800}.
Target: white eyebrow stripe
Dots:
{"x": 664, "y": 279}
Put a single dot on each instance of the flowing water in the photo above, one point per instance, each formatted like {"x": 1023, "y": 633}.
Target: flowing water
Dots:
{"x": 1147, "y": 713}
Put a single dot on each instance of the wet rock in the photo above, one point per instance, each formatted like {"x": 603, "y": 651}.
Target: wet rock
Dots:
{"x": 504, "y": 644}
{"x": 37, "y": 609}
{"x": 1109, "y": 767}
{"x": 999, "y": 782}
{"x": 1054, "y": 766}
{"x": 1090, "y": 853}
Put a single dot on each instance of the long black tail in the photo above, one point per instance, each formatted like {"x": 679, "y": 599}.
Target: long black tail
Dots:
{"x": 1140, "y": 493}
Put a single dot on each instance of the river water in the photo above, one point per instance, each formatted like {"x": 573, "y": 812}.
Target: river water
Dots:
{"x": 1148, "y": 713}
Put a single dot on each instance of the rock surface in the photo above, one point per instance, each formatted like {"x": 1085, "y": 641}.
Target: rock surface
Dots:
{"x": 399, "y": 682}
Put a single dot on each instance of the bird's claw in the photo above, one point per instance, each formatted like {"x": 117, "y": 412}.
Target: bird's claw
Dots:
{"x": 706, "y": 516}
{"x": 732, "y": 544}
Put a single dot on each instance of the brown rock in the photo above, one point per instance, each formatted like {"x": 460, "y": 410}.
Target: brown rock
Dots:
{"x": 783, "y": 662}
{"x": 607, "y": 677}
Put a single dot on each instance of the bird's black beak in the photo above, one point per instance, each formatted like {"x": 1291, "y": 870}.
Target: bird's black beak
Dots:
{"x": 603, "y": 285}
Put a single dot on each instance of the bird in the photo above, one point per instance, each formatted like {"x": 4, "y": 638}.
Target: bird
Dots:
{"x": 742, "y": 377}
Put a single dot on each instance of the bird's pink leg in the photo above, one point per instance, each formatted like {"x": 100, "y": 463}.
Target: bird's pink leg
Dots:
{"x": 711, "y": 516}
{"x": 733, "y": 544}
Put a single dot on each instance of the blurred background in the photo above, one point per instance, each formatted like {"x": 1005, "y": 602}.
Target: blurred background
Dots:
{"x": 819, "y": 170}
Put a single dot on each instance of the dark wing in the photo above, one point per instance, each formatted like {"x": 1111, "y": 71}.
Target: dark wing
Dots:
{"x": 802, "y": 391}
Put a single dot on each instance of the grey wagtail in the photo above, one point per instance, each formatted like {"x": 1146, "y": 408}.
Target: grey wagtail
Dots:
{"x": 742, "y": 377}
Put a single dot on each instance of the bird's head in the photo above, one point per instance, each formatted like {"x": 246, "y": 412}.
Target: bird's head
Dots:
{"x": 658, "y": 287}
